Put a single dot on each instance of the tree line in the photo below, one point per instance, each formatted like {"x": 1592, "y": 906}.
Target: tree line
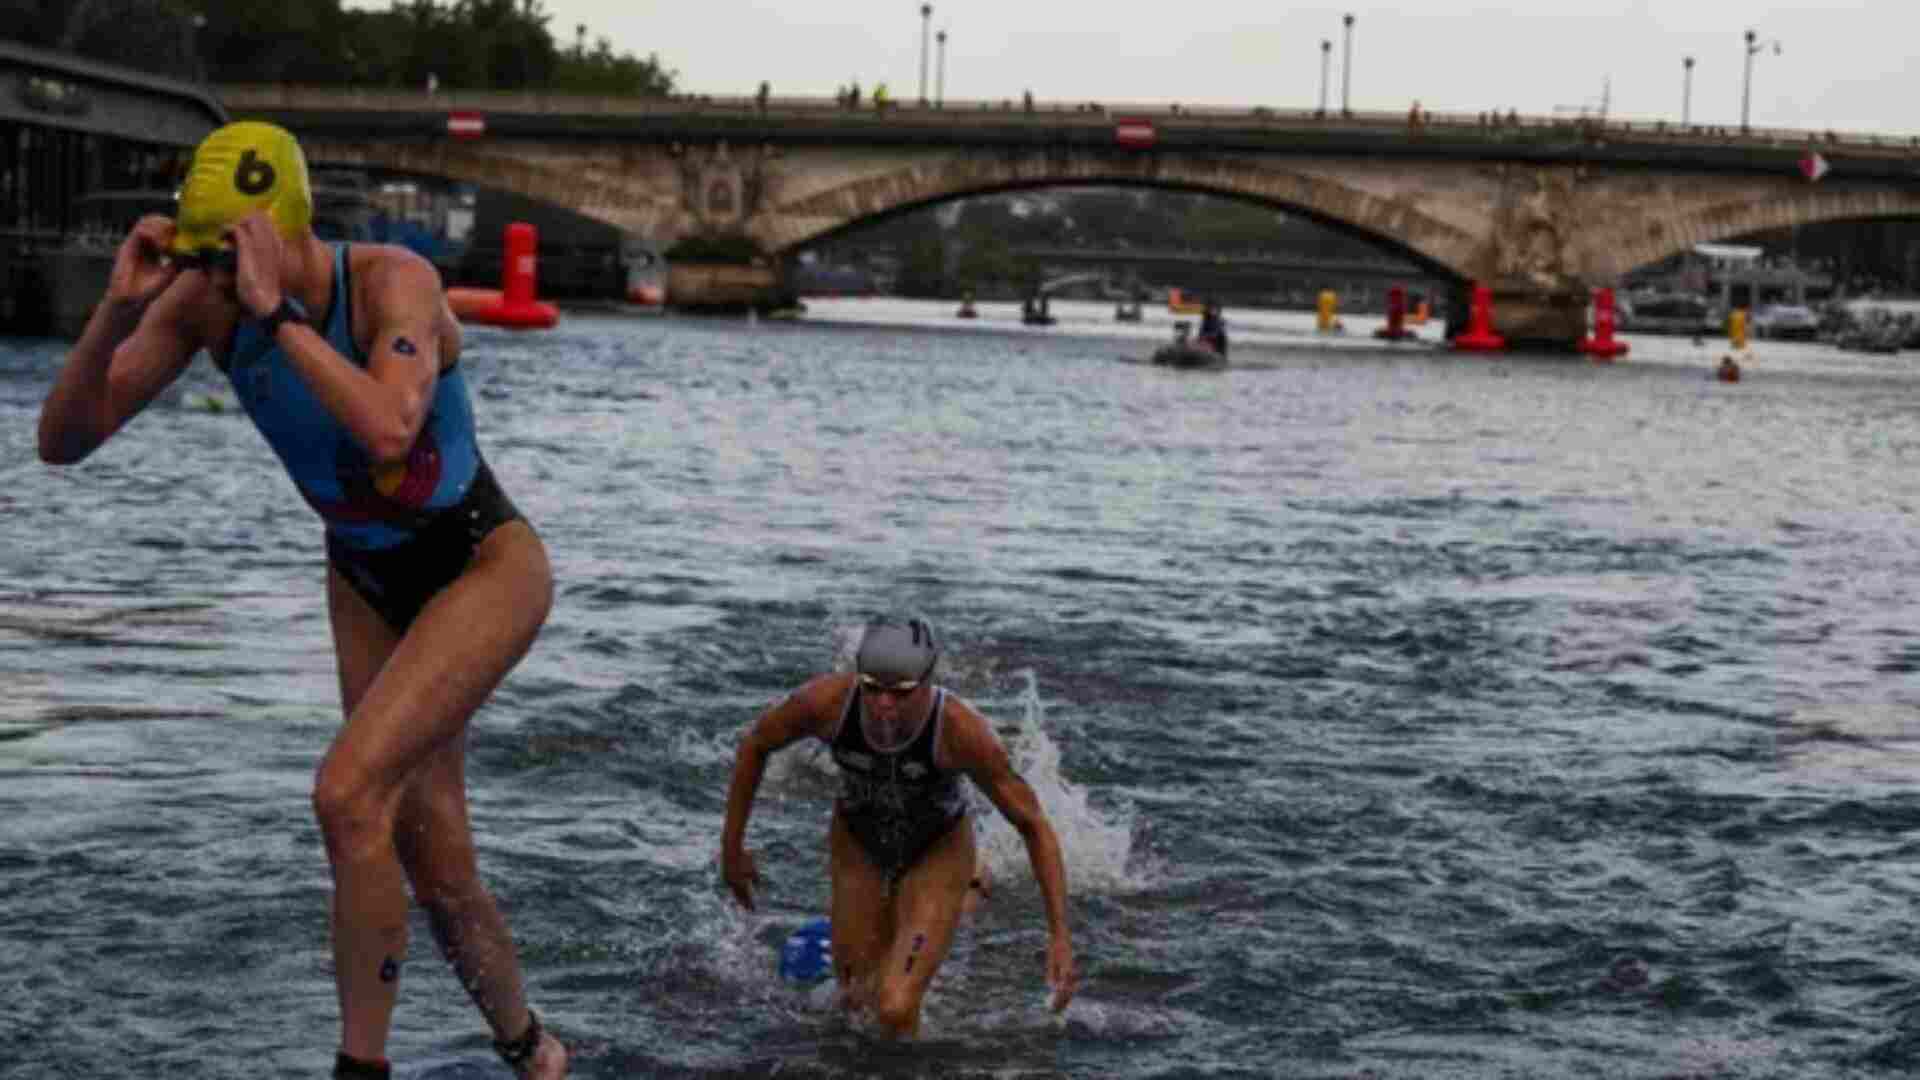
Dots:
{"x": 447, "y": 44}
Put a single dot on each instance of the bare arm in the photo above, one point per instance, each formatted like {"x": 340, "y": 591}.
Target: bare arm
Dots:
{"x": 971, "y": 746}
{"x": 809, "y": 710}
{"x": 137, "y": 342}
{"x": 408, "y": 328}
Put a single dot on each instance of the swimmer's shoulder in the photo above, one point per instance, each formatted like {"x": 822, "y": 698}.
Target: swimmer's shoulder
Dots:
{"x": 381, "y": 269}
{"x": 813, "y": 709}
{"x": 966, "y": 738}
{"x": 389, "y": 279}
{"x": 823, "y": 697}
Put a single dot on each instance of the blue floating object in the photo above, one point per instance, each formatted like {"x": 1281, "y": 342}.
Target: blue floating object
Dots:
{"x": 807, "y": 955}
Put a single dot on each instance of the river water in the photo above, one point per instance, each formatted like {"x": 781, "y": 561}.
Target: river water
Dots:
{"x": 1404, "y": 714}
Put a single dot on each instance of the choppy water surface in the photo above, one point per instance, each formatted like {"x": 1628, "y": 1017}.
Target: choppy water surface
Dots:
{"x": 1404, "y": 714}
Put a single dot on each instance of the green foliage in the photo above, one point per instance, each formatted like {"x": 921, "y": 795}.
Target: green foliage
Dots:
{"x": 983, "y": 257}
{"x": 453, "y": 44}
{"x": 923, "y": 267}
{"x": 602, "y": 71}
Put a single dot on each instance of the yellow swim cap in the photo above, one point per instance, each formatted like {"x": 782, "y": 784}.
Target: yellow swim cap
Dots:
{"x": 236, "y": 170}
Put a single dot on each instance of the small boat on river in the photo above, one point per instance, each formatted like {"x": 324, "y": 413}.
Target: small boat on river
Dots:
{"x": 1188, "y": 353}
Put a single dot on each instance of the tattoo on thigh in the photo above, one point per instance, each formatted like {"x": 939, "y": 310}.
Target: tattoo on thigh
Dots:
{"x": 919, "y": 942}
{"x": 389, "y": 970}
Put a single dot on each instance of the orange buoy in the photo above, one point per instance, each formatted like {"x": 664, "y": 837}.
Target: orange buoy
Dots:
{"x": 1479, "y": 335}
{"x": 512, "y": 306}
{"x": 1601, "y": 344}
{"x": 469, "y": 304}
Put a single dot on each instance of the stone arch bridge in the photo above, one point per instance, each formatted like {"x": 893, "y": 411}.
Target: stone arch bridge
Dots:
{"x": 1543, "y": 210}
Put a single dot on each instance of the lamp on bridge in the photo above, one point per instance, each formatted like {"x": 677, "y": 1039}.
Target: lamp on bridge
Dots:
{"x": 1326, "y": 59}
{"x": 1754, "y": 45}
{"x": 926, "y": 14}
{"x": 1346, "y": 68}
{"x": 940, "y": 77}
{"x": 1686, "y": 93}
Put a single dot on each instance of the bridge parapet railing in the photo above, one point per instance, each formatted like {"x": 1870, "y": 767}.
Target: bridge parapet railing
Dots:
{"x": 1491, "y": 124}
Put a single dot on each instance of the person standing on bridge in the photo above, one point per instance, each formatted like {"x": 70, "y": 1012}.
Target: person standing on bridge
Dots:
{"x": 347, "y": 360}
{"x": 900, "y": 848}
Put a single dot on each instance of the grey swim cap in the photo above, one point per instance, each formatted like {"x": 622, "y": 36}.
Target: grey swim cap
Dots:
{"x": 897, "y": 650}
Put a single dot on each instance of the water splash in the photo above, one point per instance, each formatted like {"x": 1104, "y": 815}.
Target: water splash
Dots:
{"x": 1097, "y": 844}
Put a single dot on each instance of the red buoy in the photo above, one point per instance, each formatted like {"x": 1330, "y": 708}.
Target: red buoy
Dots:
{"x": 1396, "y": 328}
{"x": 1601, "y": 344}
{"x": 513, "y": 305}
{"x": 1479, "y": 335}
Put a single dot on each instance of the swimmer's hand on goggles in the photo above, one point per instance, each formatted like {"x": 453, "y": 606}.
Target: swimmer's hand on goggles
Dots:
{"x": 141, "y": 266}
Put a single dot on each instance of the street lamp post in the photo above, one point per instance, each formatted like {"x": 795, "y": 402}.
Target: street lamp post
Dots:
{"x": 1754, "y": 45}
{"x": 926, "y": 13}
{"x": 1686, "y": 94}
{"x": 940, "y": 79}
{"x": 1326, "y": 59}
{"x": 1346, "y": 68}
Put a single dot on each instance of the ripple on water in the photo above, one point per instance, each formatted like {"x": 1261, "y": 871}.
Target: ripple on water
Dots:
{"x": 1401, "y": 714}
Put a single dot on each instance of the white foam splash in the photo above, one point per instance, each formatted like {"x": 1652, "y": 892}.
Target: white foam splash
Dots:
{"x": 1096, "y": 844}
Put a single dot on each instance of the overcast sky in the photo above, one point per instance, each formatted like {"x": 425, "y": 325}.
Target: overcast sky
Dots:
{"x": 1842, "y": 64}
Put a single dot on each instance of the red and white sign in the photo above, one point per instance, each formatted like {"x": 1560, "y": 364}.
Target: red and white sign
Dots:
{"x": 1134, "y": 131}
{"x": 1813, "y": 167}
{"x": 466, "y": 125}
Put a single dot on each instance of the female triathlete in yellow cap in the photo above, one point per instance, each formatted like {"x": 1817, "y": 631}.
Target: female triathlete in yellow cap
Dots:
{"x": 238, "y": 169}
{"x": 347, "y": 360}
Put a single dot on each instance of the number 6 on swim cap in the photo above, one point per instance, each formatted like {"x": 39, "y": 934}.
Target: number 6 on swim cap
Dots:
{"x": 238, "y": 169}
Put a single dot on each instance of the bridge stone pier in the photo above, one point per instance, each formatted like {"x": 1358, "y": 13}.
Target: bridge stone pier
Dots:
{"x": 1542, "y": 211}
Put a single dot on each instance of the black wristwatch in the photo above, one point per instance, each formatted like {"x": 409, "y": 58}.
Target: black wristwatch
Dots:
{"x": 289, "y": 310}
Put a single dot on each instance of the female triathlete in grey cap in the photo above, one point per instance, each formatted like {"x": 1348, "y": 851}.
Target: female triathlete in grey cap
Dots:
{"x": 897, "y": 651}
{"x": 900, "y": 850}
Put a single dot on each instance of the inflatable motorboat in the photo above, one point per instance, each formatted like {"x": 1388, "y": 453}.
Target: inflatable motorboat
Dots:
{"x": 1187, "y": 351}
{"x": 1188, "y": 355}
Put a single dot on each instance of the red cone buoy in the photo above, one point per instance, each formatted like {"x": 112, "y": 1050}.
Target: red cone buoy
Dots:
{"x": 1600, "y": 344}
{"x": 1479, "y": 335}
{"x": 513, "y": 305}
{"x": 1396, "y": 328}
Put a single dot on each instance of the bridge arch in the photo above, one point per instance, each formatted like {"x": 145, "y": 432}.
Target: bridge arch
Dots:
{"x": 784, "y": 216}
{"x": 1395, "y": 225}
{"x": 1643, "y": 242}
{"x": 604, "y": 194}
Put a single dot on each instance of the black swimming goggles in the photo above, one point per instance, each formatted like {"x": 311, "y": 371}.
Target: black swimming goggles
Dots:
{"x": 900, "y": 688}
{"x": 208, "y": 259}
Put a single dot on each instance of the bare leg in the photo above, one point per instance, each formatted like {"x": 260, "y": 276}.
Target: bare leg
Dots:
{"x": 927, "y": 906}
{"x": 372, "y": 938}
{"x": 861, "y": 916}
{"x": 408, "y": 704}
{"x": 435, "y": 844}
